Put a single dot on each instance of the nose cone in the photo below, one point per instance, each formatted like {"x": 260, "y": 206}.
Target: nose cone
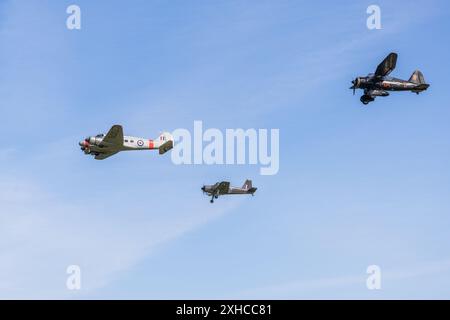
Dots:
{"x": 84, "y": 144}
{"x": 203, "y": 188}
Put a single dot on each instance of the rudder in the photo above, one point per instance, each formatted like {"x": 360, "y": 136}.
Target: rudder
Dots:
{"x": 165, "y": 142}
{"x": 417, "y": 77}
{"x": 247, "y": 184}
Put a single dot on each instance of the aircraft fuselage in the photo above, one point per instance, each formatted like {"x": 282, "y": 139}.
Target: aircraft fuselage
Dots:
{"x": 212, "y": 190}
{"x": 388, "y": 84}
{"x": 96, "y": 144}
{"x": 224, "y": 188}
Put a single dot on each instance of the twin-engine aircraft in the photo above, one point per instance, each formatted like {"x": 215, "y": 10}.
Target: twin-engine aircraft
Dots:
{"x": 379, "y": 83}
{"x": 223, "y": 188}
{"x": 103, "y": 146}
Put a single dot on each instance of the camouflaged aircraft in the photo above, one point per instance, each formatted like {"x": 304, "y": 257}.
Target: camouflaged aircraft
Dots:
{"x": 223, "y": 188}
{"x": 379, "y": 83}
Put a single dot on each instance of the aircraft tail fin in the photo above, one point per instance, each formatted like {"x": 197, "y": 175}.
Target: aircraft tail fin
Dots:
{"x": 165, "y": 141}
{"x": 417, "y": 77}
{"x": 247, "y": 184}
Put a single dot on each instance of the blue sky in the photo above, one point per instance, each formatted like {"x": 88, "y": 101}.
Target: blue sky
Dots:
{"x": 357, "y": 185}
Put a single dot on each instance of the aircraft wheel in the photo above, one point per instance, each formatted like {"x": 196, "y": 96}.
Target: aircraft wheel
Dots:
{"x": 217, "y": 197}
{"x": 365, "y": 99}
{"x": 212, "y": 201}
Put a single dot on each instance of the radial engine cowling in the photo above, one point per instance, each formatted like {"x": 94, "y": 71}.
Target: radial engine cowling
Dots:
{"x": 95, "y": 140}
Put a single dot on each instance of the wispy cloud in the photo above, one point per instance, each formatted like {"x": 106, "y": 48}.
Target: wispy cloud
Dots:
{"x": 56, "y": 210}
{"x": 309, "y": 288}
{"x": 41, "y": 236}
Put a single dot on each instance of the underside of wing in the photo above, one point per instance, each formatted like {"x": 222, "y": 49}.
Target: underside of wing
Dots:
{"x": 114, "y": 138}
{"x": 223, "y": 187}
{"x": 103, "y": 156}
{"x": 388, "y": 64}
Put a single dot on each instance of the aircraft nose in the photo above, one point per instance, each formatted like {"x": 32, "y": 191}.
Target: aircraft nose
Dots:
{"x": 83, "y": 143}
{"x": 356, "y": 83}
{"x": 203, "y": 188}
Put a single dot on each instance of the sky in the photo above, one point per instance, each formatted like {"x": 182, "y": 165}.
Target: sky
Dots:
{"x": 357, "y": 185}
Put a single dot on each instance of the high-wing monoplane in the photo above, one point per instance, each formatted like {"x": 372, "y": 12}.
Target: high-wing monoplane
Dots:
{"x": 379, "y": 83}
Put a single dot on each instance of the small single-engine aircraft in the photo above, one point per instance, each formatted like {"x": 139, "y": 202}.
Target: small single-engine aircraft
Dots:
{"x": 103, "y": 146}
{"x": 379, "y": 83}
{"x": 223, "y": 188}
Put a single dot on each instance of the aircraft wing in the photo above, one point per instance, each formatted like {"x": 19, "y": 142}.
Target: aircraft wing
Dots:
{"x": 388, "y": 64}
{"x": 114, "y": 138}
{"x": 103, "y": 156}
{"x": 223, "y": 187}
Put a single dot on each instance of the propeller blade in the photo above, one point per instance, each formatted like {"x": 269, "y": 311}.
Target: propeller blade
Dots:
{"x": 354, "y": 82}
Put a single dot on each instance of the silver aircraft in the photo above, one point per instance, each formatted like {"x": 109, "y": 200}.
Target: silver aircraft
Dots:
{"x": 103, "y": 146}
{"x": 223, "y": 188}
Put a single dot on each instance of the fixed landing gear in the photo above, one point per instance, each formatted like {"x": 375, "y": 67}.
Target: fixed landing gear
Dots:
{"x": 365, "y": 99}
{"x": 214, "y": 196}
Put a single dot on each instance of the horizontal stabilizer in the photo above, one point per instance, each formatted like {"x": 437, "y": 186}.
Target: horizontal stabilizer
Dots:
{"x": 252, "y": 190}
{"x": 166, "y": 146}
{"x": 165, "y": 142}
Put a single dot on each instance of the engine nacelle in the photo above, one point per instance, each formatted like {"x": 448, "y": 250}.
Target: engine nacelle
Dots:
{"x": 95, "y": 140}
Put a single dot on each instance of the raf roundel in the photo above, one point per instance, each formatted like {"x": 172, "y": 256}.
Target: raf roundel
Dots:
{"x": 140, "y": 143}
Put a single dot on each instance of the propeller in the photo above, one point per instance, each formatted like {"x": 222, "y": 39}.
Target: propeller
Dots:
{"x": 355, "y": 85}
{"x": 85, "y": 145}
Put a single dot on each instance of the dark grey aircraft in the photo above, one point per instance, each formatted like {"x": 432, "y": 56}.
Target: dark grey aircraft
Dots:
{"x": 223, "y": 188}
{"x": 379, "y": 83}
